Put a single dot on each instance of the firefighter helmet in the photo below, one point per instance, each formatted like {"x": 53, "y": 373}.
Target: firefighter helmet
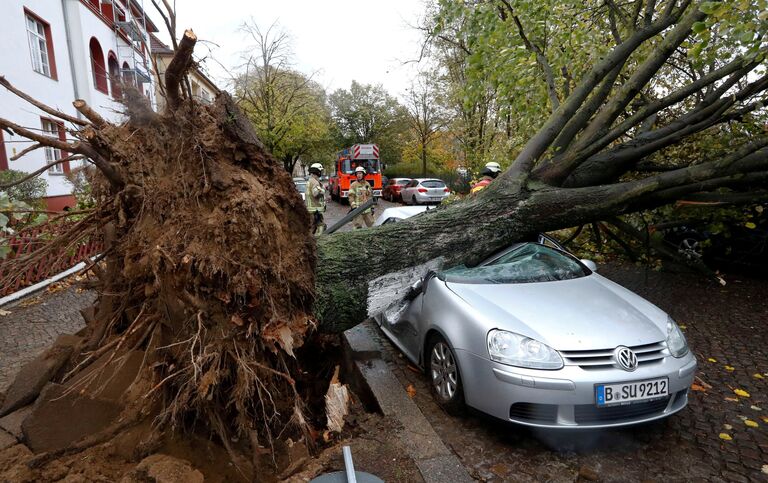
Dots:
{"x": 493, "y": 166}
{"x": 360, "y": 169}
{"x": 316, "y": 168}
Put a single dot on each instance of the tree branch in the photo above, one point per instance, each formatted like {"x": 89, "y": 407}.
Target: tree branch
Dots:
{"x": 48, "y": 166}
{"x": 84, "y": 109}
{"x": 177, "y": 69}
{"x": 49, "y": 110}
{"x": 538, "y": 144}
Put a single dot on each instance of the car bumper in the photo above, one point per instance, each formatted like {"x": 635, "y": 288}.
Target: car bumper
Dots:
{"x": 566, "y": 398}
{"x": 426, "y": 198}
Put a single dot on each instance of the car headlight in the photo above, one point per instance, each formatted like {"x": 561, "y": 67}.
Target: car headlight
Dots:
{"x": 676, "y": 342}
{"x": 517, "y": 350}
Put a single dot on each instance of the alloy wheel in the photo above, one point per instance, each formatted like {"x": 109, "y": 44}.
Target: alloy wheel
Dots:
{"x": 443, "y": 370}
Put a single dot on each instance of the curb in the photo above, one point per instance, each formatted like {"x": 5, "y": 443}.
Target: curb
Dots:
{"x": 435, "y": 461}
{"x": 40, "y": 285}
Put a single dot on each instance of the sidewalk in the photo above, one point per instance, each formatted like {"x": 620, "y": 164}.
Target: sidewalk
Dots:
{"x": 34, "y": 322}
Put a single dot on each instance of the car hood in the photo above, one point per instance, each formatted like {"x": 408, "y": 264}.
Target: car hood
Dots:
{"x": 580, "y": 314}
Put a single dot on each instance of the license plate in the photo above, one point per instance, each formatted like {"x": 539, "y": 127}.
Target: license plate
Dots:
{"x": 436, "y": 198}
{"x": 629, "y": 392}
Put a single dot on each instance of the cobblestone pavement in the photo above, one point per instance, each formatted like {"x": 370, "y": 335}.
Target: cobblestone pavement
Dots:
{"x": 726, "y": 328}
{"x": 34, "y": 323}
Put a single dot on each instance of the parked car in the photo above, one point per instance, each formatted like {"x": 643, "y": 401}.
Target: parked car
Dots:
{"x": 727, "y": 243}
{"x": 301, "y": 186}
{"x": 424, "y": 190}
{"x": 391, "y": 191}
{"x": 399, "y": 213}
{"x": 535, "y": 336}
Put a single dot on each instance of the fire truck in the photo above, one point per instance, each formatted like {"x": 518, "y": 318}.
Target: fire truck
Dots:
{"x": 349, "y": 159}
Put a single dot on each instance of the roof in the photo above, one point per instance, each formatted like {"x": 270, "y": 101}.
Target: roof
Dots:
{"x": 157, "y": 46}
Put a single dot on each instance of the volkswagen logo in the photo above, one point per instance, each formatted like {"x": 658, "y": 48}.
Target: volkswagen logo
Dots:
{"x": 625, "y": 358}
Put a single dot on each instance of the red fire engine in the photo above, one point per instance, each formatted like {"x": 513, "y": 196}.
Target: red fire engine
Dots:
{"x": 347, "y": 160}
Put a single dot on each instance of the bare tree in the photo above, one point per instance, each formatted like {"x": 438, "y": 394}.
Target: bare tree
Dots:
{"x": 426, "y": 114}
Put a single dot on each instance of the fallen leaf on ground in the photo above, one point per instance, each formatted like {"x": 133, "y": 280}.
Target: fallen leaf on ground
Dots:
{"x": 765, "y": 469}
{"x": 750, "y": 423}
{"x": 756, "y": 408}
{"x": 729, "y": 368}
{"x": 682, "y": 326}
{"x": 765, "y": 419}
{"x": 741, "y": 392}
{"x": 732, "y": 399}
{"x": 712, "y": 359}
{"x": 696, "y": 387}
{"x": 758, "y": 376}
{"x": 727, "y": 427}
{"x": 411, "y": 391}
{"x": 414, "y": 368}
{"x": 4, "y": 312}
{"x": 725, "y": 436}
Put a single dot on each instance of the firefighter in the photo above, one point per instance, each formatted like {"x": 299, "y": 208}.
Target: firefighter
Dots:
{"x": 315, "y": 198}
{"x": 489, "y": 173}
{"x": 360, "y": 192}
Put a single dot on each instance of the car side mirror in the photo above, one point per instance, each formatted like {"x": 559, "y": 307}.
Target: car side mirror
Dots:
{"x": 415, "y": 289}
{"x": 590, "y": 265}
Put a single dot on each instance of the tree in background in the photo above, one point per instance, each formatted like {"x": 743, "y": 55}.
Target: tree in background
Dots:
{"x": 288, "y": 109}
{"x": 426, "y": 115}
{"x": 31, "y": 191}
{"x": 369, "y": 114}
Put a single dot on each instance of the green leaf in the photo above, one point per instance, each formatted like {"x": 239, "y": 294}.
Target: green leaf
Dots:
{"x": 5, "y": 249}
{"x": 709, "y": 7}
{"x": 3, "y": 220}
{"x": 699, "y": 27}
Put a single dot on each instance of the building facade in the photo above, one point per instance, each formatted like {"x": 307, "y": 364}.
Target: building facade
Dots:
{"x": 61, "y": 50}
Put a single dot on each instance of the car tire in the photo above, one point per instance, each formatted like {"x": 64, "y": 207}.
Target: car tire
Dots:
{"x": 444, "y": 376}
{"x": 689, "y": 246}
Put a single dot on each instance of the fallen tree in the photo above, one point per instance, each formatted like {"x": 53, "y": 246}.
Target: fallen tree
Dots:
{"x": 210, "y": 268}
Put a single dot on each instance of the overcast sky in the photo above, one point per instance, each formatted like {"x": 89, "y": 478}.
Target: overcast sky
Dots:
{"x": 341, "y": 40}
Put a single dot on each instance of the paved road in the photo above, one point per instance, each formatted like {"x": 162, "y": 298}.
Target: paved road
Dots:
{"x": 33, "y": 323}
{"x": 724, "y": 324}
{"x": 336, "y": 211}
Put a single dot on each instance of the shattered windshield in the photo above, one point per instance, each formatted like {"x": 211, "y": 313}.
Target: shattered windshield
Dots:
{"x": 527, "y": 263}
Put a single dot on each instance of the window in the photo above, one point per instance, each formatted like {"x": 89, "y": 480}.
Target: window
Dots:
{"x": 98, "y": 67}
{"x": 40, "y": 45}
{"x": 56, "y": 130}
{"x": 128, "y": 78}
{"x": 206, "y": 96}
{"x": 114, "y": 76}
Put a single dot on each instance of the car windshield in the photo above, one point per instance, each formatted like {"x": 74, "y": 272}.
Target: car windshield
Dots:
{"x": 433, "y": 183}
{"x": 403, "y": 182}
{"x": 302, "y": 187}
{"x": 371, "y": 165}
{"x": 526, "y": 263}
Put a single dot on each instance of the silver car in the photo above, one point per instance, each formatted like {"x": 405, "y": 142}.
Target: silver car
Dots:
{"x": 534, "y": 336}
{"x": 424, "y": 190}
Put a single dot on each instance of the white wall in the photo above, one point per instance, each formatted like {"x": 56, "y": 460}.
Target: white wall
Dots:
{"x": 16, "y": 66}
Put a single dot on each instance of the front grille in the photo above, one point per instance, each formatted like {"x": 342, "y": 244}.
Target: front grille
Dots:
{"x": 589, "y": 413}
{"x": 535, "y": 413}
{"x": 603, "y": 358}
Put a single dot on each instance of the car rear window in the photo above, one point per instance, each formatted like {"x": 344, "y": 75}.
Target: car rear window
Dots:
{"x": 403, "y": 182}
{"x": 528, "y": 263}
{"x": 433, "y": 183}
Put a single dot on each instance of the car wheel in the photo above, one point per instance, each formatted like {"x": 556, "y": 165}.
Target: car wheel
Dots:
{"x": 690, "y": 247}
{"x": 445, "y": 379}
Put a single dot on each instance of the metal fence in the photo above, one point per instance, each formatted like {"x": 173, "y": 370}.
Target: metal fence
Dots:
{"x": 15, "y": 276}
